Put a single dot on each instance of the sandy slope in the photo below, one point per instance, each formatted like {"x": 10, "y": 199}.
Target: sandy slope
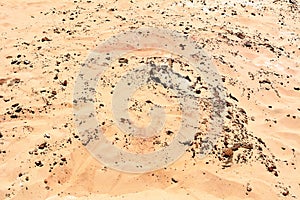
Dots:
{"x": 255, "y": 47}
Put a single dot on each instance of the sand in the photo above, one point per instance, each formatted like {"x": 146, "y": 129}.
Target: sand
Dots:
{"x": 253, "y": 45}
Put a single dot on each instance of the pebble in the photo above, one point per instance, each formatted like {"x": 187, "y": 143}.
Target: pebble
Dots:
{"x": 123, "y": 60}
{"x": 247, "y": 44}
{"x": 285, "y": 193}
{"x": 44, "y": 39}
{"x": 240, "y": 35}
{"x": 65, "y": 83}
{"x": 228, "y": 153}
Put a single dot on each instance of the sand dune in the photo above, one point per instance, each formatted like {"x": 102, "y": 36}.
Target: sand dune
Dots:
{"x": 254, "y": 46}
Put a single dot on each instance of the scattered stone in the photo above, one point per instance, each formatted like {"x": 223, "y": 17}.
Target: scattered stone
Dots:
{"x": 249, "y": 189}
{"x": 3, "y": 80}
{"x": 261, "y": 141}
{"x": 236, "y": 146}
{"x": 271, "y": 168}
{"x": 14, "y": 62}
{"x": 15, "y": 105}
{"x": 18, "y": 110}
{"x": 39, "y": 163}
{"x": 44, "y": 39}
{"x": 228, "y": 153}
{"x": 265, "y": 81}
{"x": 247, "y": 146}
{"x": 247, "y": 44}
{"x": 26, "y": 62}
{"x": 174, "y": 181}
{"x": 295, "y": 2}
{"x": 240, "y": 35}
{"x": 227, "y": 164}
{"x": 43, "y": 145}
{"x": 297, "y": 88}
{"x": 65, "y": 83}
{"x": 123, "y": 60}
{"x": 234, "y": 98}
{"x": 285, "y": 192}
{"x": 169, "y": 132}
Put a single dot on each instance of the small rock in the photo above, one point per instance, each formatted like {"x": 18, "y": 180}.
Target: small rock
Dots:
{"x": 169, "y": 132}
{"x": 44, "y": 39}
{"x": 175, "y": 181}
{"x": 247, "y": 146}
{"x": 3, "y": 80}
{"x": 234, "y": 98}
{"x": 43, "y": 145}
{"x": 249, "y": 189}
{"x": 293, "y": 2}
{"x": 226, "y": 165}
{"x": 271, "y": 168}
{"x": 18, "y": 110}
{"x": 65, "y": 83}
{"x": 123, "y": 60}
{"x": 39, "y": 163}
{"x": 236, "y": 146}
{"x": 26, "y": 62}
{"x": 15, "y": 105}
{"x": 261, "y": 141}
{"x": 247, "y": 44}
{"x": 13, "y": 62}
{"x": 240, "y": 35}
{"x": 285, "y": 192}
{"x": 228, "y": 153}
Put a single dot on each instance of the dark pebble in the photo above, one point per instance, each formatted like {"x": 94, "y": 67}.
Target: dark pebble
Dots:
{"x": 173, "y": 180}
{"x": 13, "y": 62}
{"x": 26, "y": 62}
{"x": 15, "y": 105}
{"x": 65, "y": 83}
{"x": 123, "y": 60}
{"x": 39, "y": 163}
{"x": 247, "y": 44}
{"x": 44, "y": 39}
{"x": 240, "y": 35}
{"x": 285, "y": 193}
